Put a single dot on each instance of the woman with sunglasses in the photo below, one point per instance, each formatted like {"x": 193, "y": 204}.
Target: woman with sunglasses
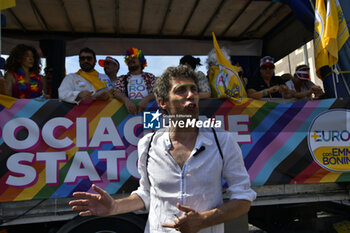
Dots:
{"x": 266, "y": 85}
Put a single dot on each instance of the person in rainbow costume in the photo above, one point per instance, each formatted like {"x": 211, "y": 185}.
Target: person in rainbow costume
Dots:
{"x": 22, "y": 79}
{"x": 136, "y": 84}
{"x": 87, "y": 83}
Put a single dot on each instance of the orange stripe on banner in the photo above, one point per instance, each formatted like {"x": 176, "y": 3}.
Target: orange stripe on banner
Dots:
{"x": 253, "y": 107}
{"x": 238, "y": 109}
{"x": 331, "y": 177}
{"x": 317, "y": 176}
{"x": 11, "y": 193}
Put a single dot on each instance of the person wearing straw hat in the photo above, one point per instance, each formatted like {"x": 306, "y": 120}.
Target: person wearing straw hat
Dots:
{"x": 301, "y": 86}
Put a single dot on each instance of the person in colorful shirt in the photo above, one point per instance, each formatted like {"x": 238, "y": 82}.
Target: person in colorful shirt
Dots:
{"x": 87, "y": 83}
{"x": 136, "y": 84}
{"x": 22, "y": 79}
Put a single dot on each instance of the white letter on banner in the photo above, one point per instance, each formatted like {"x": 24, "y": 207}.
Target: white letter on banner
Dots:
{"x": 82, "y": 136}
{"x": 83, "y": 167}
{"x": 49, "y": 129}
{"x": 12, "y": 127}
{"x": 239, "y": 124}
{"x": 129, "y": 130}
{"x": 16, "y": 164}
{"x": 106, "y": 132}
{"x": 131, "y": 164}
{"x": 52, "y": 160}
{"x": 111, "y": 157}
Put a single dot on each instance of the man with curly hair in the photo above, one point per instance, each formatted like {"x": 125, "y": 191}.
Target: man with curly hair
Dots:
{"x": 136, "y": 84}
{"x": 181, "y": 169}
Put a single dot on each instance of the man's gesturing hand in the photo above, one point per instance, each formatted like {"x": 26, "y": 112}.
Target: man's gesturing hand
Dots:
{"x": 101, "y": 204}
{"x": 190, "y": 222}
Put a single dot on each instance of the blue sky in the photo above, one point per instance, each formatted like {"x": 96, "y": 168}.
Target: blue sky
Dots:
{"x": 155, "y": 64}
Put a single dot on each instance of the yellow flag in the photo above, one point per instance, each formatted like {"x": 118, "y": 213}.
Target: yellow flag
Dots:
{"x": 343, "y": 31}
{"x": 4, "y": 4}
{"x": 226, "y": 82}
{"x": 331, "y": 33}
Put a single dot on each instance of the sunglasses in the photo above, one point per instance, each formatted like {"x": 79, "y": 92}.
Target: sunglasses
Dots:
{"x": 268, "y": 67}
{"x": 88, "y": 58}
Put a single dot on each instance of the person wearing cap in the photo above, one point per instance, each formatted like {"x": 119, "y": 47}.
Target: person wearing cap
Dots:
{"x": 111, "y": 67}
{"x": 301, "y": 86}
{"x": 87, "y": 83}
{"x": 136, "y": 84}
{"x": 204, "y": 90}
{"x": 266, "y": 84}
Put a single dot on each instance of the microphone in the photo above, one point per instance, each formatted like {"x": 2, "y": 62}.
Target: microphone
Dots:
{"x": 202, "y": 148}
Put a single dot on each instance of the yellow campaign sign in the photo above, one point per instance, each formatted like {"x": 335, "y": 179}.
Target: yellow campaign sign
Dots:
{"x": 335, "y": 158}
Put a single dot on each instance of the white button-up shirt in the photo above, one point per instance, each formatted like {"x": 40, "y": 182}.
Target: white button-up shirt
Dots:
{"x": 73, "y": 84}
{"x": 197, "y": 185}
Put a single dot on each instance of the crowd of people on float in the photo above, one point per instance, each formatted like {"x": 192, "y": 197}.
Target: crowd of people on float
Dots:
{"x": 23, "y": 80}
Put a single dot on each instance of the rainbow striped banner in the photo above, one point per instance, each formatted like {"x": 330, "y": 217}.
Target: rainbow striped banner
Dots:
{"x": 50, "y": 149}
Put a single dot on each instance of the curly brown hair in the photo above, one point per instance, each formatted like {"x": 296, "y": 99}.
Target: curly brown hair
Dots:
{"x": 163, "y": 83}
{"x": 13, "y": 62}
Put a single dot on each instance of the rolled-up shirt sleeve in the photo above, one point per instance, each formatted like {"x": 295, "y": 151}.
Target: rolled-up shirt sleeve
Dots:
{"x": 234, "y": 171}
{"x": 143, "y": 191}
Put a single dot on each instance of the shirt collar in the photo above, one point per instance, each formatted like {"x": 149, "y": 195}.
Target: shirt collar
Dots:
{"x": 203, "y": 138}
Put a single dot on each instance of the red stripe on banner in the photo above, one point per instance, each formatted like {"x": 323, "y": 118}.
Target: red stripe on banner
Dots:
{"x": 306, "y": 173}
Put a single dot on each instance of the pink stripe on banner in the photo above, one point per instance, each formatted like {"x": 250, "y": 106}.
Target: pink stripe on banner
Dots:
{"x": 7, "y": 114}
{"x": 282, "y": 138}
{"x": 103, "y": 185}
